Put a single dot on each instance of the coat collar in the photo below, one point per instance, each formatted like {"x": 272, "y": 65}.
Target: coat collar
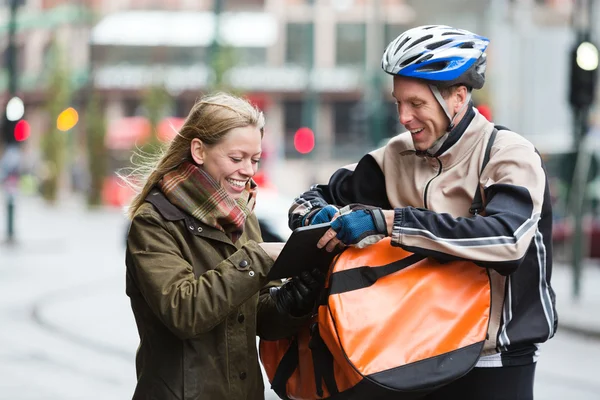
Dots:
{"x": 172, "y": 213}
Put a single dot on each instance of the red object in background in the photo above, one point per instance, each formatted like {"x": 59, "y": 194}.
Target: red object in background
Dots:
{"x": 485, "y": 111}
{"x": 22, "y": 130}
{"x": 562, "y": 233}
{"x": 126, "y": 133}
{"x": 168, "y": 127}
{"x": 259, "y": 100}
{"x": 304, "y": 140}
{"x": 116, "y": 193}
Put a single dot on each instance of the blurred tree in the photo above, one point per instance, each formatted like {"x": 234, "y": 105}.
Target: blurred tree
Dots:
{"x": 222, "y": 59}
{"x": 157, "y": 103}
{"x": 54, "y": 142}
{"x": 95, "y": 128}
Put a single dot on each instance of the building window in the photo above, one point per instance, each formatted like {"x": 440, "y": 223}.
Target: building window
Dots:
{"x": 355, "y": 128}
{"x": 132, "y": 107}
{"x": 392, "y": 31}
{"x": 350, "y": 44}
{"x": 238, "y": 5}
{"x": 298, "y": 44}
{"x": 292, "y": 116}
{"x": 244, "y": 56}
{"x": 350, "y": 125}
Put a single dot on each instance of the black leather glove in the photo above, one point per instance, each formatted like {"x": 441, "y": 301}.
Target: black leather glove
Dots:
{"x": 297, "y": 296}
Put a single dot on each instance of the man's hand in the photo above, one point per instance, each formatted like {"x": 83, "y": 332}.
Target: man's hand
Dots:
{"x": 325, "y": 214}
{"x": 358, "y": 228}
{"x": 297, "y": 296}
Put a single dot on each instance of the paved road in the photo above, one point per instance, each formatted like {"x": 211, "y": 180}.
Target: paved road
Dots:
{"x": 68, "y": 333}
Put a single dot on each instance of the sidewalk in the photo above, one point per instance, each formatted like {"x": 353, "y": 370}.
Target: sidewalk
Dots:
{"x": 578, "y": 315}
{"x": 67, "y": 319}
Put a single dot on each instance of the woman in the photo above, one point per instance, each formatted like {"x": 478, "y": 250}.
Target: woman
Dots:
{"x": 196, "y": 264}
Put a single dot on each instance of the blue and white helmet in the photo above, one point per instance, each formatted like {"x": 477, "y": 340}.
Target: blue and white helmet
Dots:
{"x": 443, "y": 55}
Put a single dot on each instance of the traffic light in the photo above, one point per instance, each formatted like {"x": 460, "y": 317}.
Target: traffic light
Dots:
{"x": 304, "y": 140}
{"x": 14, "y": 128}
{"x": 21, "y": 131}
{"x": 67, "y": 119}
{"x": 14, "y": 132}
{"x": 584, "y": 67}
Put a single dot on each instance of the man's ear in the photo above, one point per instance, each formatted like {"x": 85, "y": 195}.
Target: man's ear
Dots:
{"x": 198, "y": 149}
{"x": 461, "y": 93}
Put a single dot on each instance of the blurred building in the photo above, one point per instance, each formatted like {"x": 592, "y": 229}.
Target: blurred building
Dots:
{"x": 279, "y": 53}
{"x": 122, "y": 47}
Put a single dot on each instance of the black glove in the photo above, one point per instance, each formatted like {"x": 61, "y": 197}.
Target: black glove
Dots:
{"x": 297, "y": 296}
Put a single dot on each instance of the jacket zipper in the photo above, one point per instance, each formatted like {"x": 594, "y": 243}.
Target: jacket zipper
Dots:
{"x": 428, "y": 183}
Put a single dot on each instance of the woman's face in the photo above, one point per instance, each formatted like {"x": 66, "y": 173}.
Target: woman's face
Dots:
{"x": 232, "y": 161}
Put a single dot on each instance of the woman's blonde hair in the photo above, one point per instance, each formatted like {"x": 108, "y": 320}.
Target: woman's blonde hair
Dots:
{"x": 209, "y": 120}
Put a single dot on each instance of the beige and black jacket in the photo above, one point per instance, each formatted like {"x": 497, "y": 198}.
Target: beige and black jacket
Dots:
{"x": 432, "y": 195}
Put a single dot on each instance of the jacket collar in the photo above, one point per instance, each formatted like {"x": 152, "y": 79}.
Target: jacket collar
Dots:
{"x": 172, "y": 213}
{"x": 164, "y": 207}
{"x": 456, "y": 133}
{"x": 463, "y": 145}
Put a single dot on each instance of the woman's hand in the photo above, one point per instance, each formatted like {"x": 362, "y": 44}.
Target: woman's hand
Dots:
{"x": 272, "y": 248}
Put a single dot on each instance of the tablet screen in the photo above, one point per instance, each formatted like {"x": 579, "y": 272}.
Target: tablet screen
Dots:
{"x": 300, "y": 253}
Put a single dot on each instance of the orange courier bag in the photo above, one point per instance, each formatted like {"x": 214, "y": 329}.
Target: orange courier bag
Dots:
{"x": 391, "y": 325}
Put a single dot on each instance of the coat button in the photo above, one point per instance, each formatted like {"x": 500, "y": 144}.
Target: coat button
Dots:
{"x": 241, "y": 318}
{"x": 251, "y": 273}
{"x": 243, "y": 264}
{"x": 242, "y": 375}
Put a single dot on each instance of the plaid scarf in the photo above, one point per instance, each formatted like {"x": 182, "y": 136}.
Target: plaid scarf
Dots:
{"x": 194, "y": 191}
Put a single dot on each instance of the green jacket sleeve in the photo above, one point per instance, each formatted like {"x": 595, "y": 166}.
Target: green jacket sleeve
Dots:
{"x": 188, "y": 305}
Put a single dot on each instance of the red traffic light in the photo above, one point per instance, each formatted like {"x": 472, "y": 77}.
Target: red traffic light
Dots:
{"x": 304, "y": 140}
{"x": 22, "y": 130}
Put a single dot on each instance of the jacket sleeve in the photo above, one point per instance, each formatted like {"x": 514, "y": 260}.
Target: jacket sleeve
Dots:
{"x": 187, "y": 305}
{"x": 515, "y": 190}
{"x": 362, "y": 183}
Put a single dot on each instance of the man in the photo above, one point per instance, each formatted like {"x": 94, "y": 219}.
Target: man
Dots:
{"x": 419, "y": 189}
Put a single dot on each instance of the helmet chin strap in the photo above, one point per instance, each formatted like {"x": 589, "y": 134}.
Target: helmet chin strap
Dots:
{"x": 438, "y": 96}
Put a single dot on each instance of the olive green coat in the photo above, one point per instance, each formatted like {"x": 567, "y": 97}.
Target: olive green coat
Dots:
{"x": 195, "y": 298}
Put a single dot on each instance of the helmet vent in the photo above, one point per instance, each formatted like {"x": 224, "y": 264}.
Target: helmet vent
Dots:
{"x": 421, "y": 40}
{"x": 435, "y": 45}
{"x": 467, "y": 45}
{"x": 424, "y": 58}
{"x": 452, "y": 33}
{"x": 409, "y": 60}
{"x": 406, "y": 39}
{"x": 435, "y": 66}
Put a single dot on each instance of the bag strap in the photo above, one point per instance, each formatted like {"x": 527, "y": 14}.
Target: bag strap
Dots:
{"x": 322, "y": 362}
{"x": 362, "y": 277}
{"x": 477, "y": 204}
{"x": 285, "y": 369}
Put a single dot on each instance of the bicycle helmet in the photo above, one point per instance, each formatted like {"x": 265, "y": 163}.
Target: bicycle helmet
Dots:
{"x": 443, "y": 55}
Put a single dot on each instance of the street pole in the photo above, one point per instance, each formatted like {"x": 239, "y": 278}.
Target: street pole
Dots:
{"x": 11, "y": 60}
{"x": 579, "y": 196}
{"x": 214, "y": 50}
{"x": 373, "y": 91}
{"x": 582, "y": 22}
{"x": 311, "y": 98}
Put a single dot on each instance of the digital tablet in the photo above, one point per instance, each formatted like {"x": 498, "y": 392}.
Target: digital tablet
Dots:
{"x": 300, "y": 253}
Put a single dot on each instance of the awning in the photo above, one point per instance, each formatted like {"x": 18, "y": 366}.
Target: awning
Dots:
{"x": 129, "y": 132}
{"x": 186, "y": 29}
